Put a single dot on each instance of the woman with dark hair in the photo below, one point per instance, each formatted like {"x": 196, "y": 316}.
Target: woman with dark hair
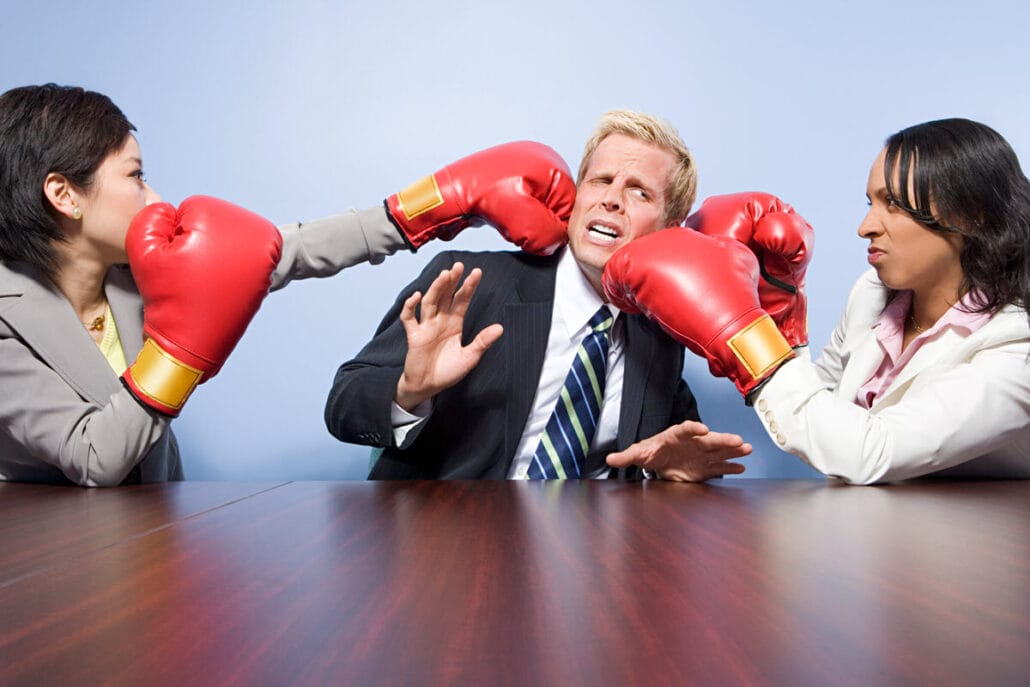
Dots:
{"x": 72, "y": 408}
{"x": 928, "y": 370}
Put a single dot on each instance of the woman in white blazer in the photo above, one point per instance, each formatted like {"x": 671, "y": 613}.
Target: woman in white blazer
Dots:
{"x": 928, "y": 370}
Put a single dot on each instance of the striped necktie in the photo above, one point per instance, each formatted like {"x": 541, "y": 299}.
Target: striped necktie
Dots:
{"x": 566, "y": 439}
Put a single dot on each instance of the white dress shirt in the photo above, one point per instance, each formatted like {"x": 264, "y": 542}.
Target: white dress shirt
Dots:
{"x": 575, "y": 302}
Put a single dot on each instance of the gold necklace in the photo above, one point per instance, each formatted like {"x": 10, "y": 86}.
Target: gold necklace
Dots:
{"x": 97, "y": 323}
{"x": 915, "y": 325}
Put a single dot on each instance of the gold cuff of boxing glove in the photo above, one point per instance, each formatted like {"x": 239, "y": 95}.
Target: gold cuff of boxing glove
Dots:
{"x": 420, "y": 197}
{"x": 162, "y": 378}
{"x": 760, "y": 347}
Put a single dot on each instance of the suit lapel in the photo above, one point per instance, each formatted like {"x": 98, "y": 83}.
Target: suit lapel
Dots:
{"x": 43, "y": 318}
{"x": 527, "y": 325}
{"x": 862, "y": 360}
{"x": 950, "y": 348}
{"x": 929, "y": 354}
{"x": 638, "y": 356}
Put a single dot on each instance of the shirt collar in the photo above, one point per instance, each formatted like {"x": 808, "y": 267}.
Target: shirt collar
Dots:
{"x": 575, "y": 300}
{"x": 892, "y": 319}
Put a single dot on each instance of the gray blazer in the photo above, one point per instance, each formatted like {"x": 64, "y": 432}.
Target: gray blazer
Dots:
{"x": 65, "y": 416}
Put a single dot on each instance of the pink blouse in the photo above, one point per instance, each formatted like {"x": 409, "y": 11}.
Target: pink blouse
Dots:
{"x": 890, "y": 330}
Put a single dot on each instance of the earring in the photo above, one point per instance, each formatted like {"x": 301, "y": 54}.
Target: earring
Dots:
{"x": 77, "y": 213}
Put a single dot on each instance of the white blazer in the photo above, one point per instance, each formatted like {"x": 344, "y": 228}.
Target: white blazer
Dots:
{"x": 961, "y": 406}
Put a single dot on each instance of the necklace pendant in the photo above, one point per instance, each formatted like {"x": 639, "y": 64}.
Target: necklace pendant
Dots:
{"x": 97, "y": 325}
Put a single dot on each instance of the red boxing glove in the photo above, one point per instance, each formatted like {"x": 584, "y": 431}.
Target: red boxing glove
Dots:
{"x": 702, "y": 291}
{"x": 782, "y": 241}
{"x": 524, "y": 189}
{"x": 202, "y": 271}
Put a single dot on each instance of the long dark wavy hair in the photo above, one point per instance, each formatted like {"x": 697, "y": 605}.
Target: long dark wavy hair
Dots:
{"x": 966, "y": 179}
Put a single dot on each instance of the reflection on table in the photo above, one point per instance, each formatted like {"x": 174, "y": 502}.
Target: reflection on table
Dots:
{"x": 599, "y": 582}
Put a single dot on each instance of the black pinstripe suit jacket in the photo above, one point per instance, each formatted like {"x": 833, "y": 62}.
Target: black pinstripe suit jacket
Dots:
{"x": 476, "y": 425}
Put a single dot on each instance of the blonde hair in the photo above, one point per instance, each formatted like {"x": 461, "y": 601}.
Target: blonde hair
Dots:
{"x": 682, "y": 188}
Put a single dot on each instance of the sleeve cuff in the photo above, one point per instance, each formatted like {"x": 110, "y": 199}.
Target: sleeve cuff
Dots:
{"x": 404, "y": 422}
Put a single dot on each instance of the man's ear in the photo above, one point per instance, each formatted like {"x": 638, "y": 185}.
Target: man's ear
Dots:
{"x": 63, "y": 196}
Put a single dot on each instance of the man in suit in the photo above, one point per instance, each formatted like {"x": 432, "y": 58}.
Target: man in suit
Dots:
{"x": 443, "y": 401}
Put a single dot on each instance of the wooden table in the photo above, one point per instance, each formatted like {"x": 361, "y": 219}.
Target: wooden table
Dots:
{"x": 504, "y": 583}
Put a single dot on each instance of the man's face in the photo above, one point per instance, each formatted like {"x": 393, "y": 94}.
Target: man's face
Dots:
{"x": 622, "y": 196}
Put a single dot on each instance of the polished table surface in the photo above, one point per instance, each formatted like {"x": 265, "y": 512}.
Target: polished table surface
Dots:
{"x": 502, "y": 583}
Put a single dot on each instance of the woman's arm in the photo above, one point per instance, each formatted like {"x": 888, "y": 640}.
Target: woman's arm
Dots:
{"x": 950, "y": 413}
{"x": 325, "y": 246}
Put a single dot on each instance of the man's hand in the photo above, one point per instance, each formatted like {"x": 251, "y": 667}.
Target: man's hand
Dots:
{"x": 436, "y": 359}
{"x": 687, "y": 452}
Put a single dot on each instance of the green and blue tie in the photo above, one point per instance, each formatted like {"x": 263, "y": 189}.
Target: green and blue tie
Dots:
{"x": 563, "y": 447}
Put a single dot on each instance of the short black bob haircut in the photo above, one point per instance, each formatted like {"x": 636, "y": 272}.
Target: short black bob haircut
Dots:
{"x": 49, "y": 129}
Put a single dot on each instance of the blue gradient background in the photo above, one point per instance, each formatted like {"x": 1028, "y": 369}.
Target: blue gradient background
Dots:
{"x": 301, "y": 109}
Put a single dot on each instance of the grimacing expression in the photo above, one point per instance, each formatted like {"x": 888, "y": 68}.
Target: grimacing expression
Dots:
{"x": 621, "y": 197}
{"x": 905, "y": 253}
